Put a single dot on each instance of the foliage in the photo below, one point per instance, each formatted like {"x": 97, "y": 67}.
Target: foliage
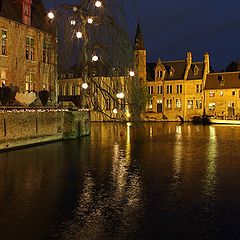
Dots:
{"x": 7, "y": 94}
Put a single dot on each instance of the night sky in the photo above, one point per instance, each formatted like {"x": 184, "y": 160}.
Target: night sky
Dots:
{"x": 171, "y": 28}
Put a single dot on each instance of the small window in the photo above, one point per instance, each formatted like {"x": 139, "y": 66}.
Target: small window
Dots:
{"x": 150, "y": 104}
{"x": 211, "y": 94}
{"x": 221, "y": 94}
{"x": 178, "y": 103}
{"x": 169, "y": 103}
{"x": 198, "y": 104}
{"x": 171, "y": 72}
{"x": 211, "y": 106}
{"x": 169, "y": 89}
{"x": 233, "y": 93}
{"x": 221, "y": 80}
{"x": 150, "y": 90}
{"x": 195, "y": 70}
{"x": 190, "y": 104}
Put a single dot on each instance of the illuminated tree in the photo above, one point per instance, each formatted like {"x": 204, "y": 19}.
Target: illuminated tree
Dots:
{"x": 92, "y": 36}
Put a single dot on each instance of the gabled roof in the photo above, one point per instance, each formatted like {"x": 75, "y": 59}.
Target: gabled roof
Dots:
{"x": 200, "y": 66}
{"x": 139, "y": 43}
{"x": 229, "y": 80}
{"x": 178, "y": 67}
{"x": 12, "y": 9}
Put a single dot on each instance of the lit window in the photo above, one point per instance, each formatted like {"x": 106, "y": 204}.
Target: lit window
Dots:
{"x": 169, "y": 103}
{"x": 30, "y": 82}
{"x": 190, "y": 104}
{"x": 198, "y": 104}
{"x": 196, "y": 70}
{"x": 150, "y": 105}
{"x": 4, "y": 42}
{"x": 46, "y": 52}
{"x": 221, "y": 80}
{"x": 178, "y": 103}
{"x": 221, "y": 94}
{"x": 29, "y": 48}
{"x": 211, "y": 106}
{"x": 46, "y": 82}
{"x": 171, "y": 72}
{"x": 199, "y": 88}
{"x": 211, "y": 94}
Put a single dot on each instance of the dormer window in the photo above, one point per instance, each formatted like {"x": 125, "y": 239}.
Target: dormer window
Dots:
{"x": 195, "y": 70}
{"x": 221, "y": 80}
{"x": 159, "y": 73}
{"x": 171, "y": 72}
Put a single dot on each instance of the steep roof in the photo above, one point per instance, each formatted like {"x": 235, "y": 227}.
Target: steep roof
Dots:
{"x": 178, "y": 67}
{"x": 139, "y": 43}
{"x": 199, "y": 73}
{"x": 222, "y": 80}
{"x": 11, "y": 9}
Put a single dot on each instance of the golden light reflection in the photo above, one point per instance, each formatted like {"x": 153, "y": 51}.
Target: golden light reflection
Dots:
{"x": 150, "y": 131}
{"x": 210, "y": 178}
{"x": 178, "y": 153}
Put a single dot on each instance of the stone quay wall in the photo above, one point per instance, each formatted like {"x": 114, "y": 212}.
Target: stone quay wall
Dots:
{"x": 19, "y": 129}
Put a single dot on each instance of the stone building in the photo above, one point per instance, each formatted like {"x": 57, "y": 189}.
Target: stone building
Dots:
{"x": 222, "y": 94}
{"x": 175, "y": 87}
{"x": 27, "y": 47}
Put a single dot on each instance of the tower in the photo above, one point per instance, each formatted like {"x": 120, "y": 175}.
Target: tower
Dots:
{"x": 26, "y": 11}
{"x": 139, "y": 55}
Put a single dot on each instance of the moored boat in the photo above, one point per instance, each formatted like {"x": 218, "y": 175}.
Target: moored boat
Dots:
{"x": 224, "y": 121}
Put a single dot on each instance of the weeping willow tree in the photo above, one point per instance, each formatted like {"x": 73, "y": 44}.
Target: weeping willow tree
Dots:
{"x": 94, "y": 43}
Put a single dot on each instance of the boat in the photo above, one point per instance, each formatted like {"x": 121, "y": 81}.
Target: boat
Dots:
{"x": 232, "y": 121}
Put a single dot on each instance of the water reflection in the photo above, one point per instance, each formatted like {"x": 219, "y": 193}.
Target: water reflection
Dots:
{"x": 125, "y": 182}
{"x": 211, "y": 166}
{"x": 118, "y": 200}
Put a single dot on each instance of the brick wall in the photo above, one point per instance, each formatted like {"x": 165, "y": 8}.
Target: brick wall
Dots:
{"x": 25, "y": 128}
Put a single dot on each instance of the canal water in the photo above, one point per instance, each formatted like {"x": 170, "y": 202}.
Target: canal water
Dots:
{"x": 125, "y": 182}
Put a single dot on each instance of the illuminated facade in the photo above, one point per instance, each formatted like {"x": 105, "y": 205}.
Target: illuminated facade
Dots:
{"x": 222, "y": 94}
{"x": 101, "y": 104}
{"x": 27, "y": 48}
{"x": 175, "y": 87}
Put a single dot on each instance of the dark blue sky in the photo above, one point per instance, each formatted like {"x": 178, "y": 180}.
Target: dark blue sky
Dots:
{"x": 171, "y": 28}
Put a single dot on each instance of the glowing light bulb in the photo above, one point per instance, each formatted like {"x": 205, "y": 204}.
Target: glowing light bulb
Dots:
{"x": 120, "y": 95}
{"x": 79, "y": 35}
{"x": 90, "y": 20}
{"x": 75, "y": 9}
{"x": 132, "y": 73}
{"x": 84, "y": 85}
{"x": 95, "y": 58}
{"x": 98, "y": 4}
{"x": 115, "y": 111}
{"x": 73, "y": 22}
{"x": 50, "y": 15}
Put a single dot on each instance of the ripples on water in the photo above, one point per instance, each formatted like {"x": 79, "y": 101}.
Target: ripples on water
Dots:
{"x": 149, "y": 181}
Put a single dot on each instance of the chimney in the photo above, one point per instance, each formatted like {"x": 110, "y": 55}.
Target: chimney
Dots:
{"x": 26, "y": 11}
{"x": 188, "y": 64}
{"x": 189, "y": 59}
{"x": 206, "y": 63}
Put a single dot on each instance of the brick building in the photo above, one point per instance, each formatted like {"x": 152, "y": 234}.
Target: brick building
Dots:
{"x": 175, "y": 87}
{"x": 27, "y": 47}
